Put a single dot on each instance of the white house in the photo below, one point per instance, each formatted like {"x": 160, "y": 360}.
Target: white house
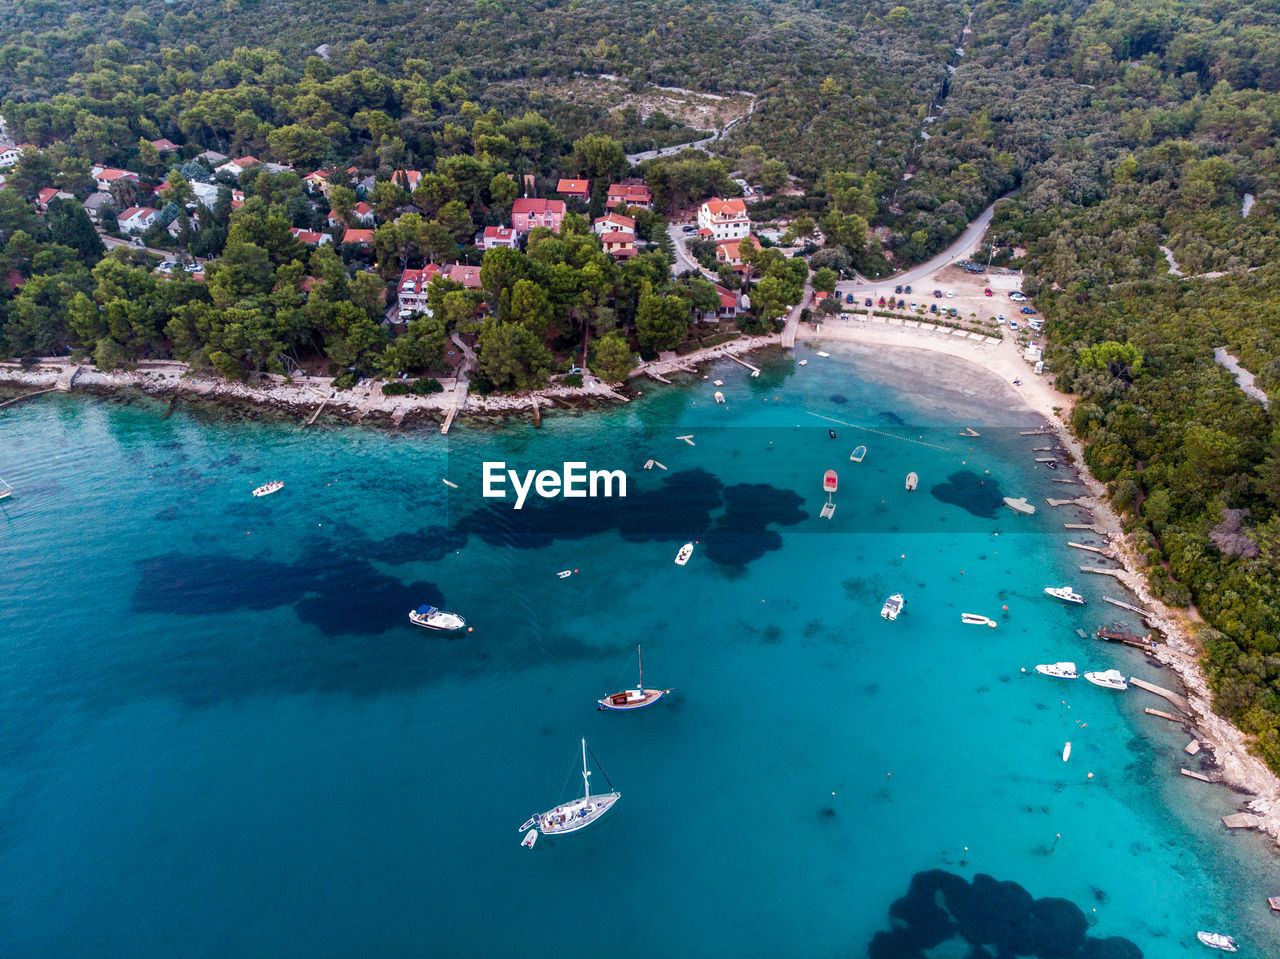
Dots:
{"x": 137, "y": 218}
{"x": 613, "y": 223}
{"x": 723, "y": 219}
{"x": 496, "y": 236}
{"x": 10, "y": 155}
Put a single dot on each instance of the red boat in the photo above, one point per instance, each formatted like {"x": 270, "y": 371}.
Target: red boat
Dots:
{"x": 829, "y": 481}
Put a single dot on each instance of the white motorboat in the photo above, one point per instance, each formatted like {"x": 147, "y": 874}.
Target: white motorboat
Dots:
{"x": 1066, "y": 752}
{"x": 1217, "y": 940}
{"x": 6, "y": 491}
{"x": 428, "y": 617}
{"x": 529, "y": 839}
{"x": 1108, "y": 679}
{"x": 804, "y": 362}
{"x": 267, "y": 489}
{"x": 1064, "y": 593}
{"x": 1058, "y": 670}
{"x": 575, "y": 815}
{"x": 565, "y": 573}
{"x": 858, "y": 453}
{"x": 719, "y": 397}
{"x": 892, "y": 606}
{"x": 686, "y": 551}
{"x": 1019, "y": 505}
{"x": 636, "y": 698}
{"x": 912, "y": 481}
{"x": 974, "y": 619}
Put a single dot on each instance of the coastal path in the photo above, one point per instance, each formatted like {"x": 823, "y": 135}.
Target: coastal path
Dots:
{"x": 793, "y": 318}
{"x": 461, "y": 384}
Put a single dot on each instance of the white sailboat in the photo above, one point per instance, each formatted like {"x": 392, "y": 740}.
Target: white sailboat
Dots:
{"x": 6, "y": 491}
{"x": 574, "y": 815}
{"x": 636, "y": 698}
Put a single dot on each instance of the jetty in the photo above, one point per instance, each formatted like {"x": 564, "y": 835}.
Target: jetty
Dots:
{"x": 1114, "y": 634}
{"x": 1163, "y": 715}
{"x": 1046, "y": 459}
{"x": 1092, "y": 549}
{"x": 1038, "y": 431}
{"x": 1086, "y": 526}
{"x": 1241, "y": 820}
{"x": 316, "y": 413}
{"x": 1192, "y": 747}
{"x": 755, "y": 370}
{"x": 1145, "y": 614}
{"x": 67, "y": 377}
{"x": 27, "y": 396}
{"x": 1070, "y": 482}
{"x": 1195, "y": 775}
{"x": 537, "y": 413}
{"x": 448, "y": 420}
{"x": 1167, "y": 694}
{"x": 1079, "y": 501}
{"x": 657, "y": 376}
{"x": 1102, "y": 572}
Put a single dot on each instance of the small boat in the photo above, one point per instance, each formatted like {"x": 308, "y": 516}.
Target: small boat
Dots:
{"x": 636, "y": 698}
{"x": 650, "y": 464}
{"x": 719, "y": 397}
{"x": 1058, "y": 670}
{"x": 267, "y": 489}
{"x": 892, "y": 606}
{"x": 821, "y": 353}
{"x": 529, "y": 839}
{"x": 448, "y": 484}
{"x": 969, "y": 431}
{"x": 1019, "y": 505}
{"x": 1064, "y": 593}
{"x": 858, "y": 453}
{"x": 6, "y": 491}
{"x": 829, "y": 481}
{"x": 428, "y": 617}
{"x": 1216, "y": 940}
{"x": 975, "y": 619}
{"x": 686, "y": 551}
{"x": 804, "y": 363}
{"x": 565, "y": 573}
{"x": 833, "y": 434}
{"x": 1108, "y": 679}
{"x": 912, "y": 481}
{"x": 688, "y": 438}
{"x": 574, "y": 815}
{"x": 1066, "y": 752}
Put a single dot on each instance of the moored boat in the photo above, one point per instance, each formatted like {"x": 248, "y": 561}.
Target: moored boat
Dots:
{"x": 975, "y": 619}
{"x": 969, "y": 431}
{"x": 858, "y": 453}
{"x": 428, "y": 617}
{"x": 719, "y": 397}
{"x": 268, "y": 488}
{"x": 1064, "y": 593}
{"x": 1108, "y": 679}
{"x": 636, "y": 698}
{"x": 575, "y": 815}
{"x": 686, "y": 551}
{"x": 892, "y": 606}
{"x": 1019, "y": 505}
{"x": 1217, "y": 940}
{"x": 912, "y": 481}
{"x": 1058, "y": 670}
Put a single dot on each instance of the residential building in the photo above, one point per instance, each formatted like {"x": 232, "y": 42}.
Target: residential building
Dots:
{"x": 212, "y": 157}
{"x": 48, "y": 194}
{"x": 10, "y": 155}
{"x": 361, "y": 213}
{"x": 164, "y": 145}
{"x": 409, "y": 179}
{"x": 723, "y": 219}
{"x": 729, "y": 251}
{"x": 730, "y": 304}
{"x": 630, "y": 192}
{"x": 104, "y": 176}
{"x": 468, "y": 276}
{"x": 619, "y": 244}
{"x": 174, "y": 229}
{"x": 237, "y": 166}
{"x": 495, "y": 236}
{"x": 317, "y": 182}
{"x": 613, "y": 222}
{"x": 578, "y": 189}
{"x": 310, "y": 237}
{"x": 412, "y": 292}
{"x": 95, "y": 201}
{"x": 358, "y": 237}
{"x": 528, "y": 212}
{"x": 137, "y": 218}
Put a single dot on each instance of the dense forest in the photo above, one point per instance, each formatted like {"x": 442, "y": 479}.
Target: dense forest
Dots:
{"x": 1116, "y": 138}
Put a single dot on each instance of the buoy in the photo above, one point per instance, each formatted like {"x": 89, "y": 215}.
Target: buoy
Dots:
{"x": 471, "y": 629}
{"x": 1090, "y": 775}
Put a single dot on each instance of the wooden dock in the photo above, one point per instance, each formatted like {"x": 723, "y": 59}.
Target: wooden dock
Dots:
{"x": 1176, "y": 699}
{"x": 26, "y": 396}
{"x": 1092, "y": 549}
{"x": 448, "y": 420}
{"x": 1145, "y": 614}
{"x": 657, "y": 376}
{"x": 1102, "y": 572}
{"x": 1192, "y": 747}
{"x": 755, "y": 370}
{"x": 537, "y": 413}
{"x": 67, "y": 377}
{"x": 1067, "y": 481}
{"x": 1046, "y": 459}
{"x": 1038, "y": 431}
{"x": 1241, "y": 820}
{"x": 1195, "y": 775}
{"x": 1079, "y": 501}
{"x": 1163, "y": 715}
{"x": 1089, "y": 526}
{"x": 317, "y": 412}
{"x": 1113, "y": 634}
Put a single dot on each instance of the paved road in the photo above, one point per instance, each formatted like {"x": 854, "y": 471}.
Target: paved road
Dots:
{"x": 634, "y": 158}
{"x": 111, "y": 242}
{"x": 684, "y": 262}
{"x": 961, "y": 249}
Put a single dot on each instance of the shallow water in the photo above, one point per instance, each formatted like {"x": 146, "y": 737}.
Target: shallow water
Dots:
{"x": 219, "y": 735}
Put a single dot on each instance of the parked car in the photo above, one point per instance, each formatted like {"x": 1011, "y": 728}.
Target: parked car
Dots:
{"x": 933, "y": 307}
{"x": 1000, "y": 319}
{"x": 988, "y": 292}
{"x": 951, "y": 312}
{"x": 1013, "y": 325}
{"x": 867, "y": 302}
{"x": 848, "y": 298}
{"x": 897, "y": 289}
{"x": 913, "y": 307}
{"x": 688, "y": 229}
{"x": 1017, "y": 297}
{"x": 906, "y": 290}
{"x": 881, "y": 301}
{"x": 937, "y": 293}
{"x": 950, "y": 294}
{"x": 1028, "y": 310}
{"x": 1036, "y": 325}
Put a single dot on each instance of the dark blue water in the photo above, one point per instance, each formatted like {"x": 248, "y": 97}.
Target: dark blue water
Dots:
{"x": 219, "y": 735}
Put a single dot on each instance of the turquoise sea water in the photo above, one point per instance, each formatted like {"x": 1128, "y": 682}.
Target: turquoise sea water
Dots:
{"x": 219, "y": 735}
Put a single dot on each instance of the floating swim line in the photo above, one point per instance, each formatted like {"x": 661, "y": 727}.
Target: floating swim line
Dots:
{"x": 868, "y": 429}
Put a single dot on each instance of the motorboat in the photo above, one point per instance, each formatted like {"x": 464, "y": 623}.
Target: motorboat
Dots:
{"x": 858, "y": 453}
{"x": 636, "y": 698}
{"x": 686, "y": 551}
{"x": 1020, "y": 505}
{"x": 833, "y": 434}
{"x": 428, "y": 617}
{"x": 719, "y": 397}
{"x": 1108, "y": 679}
{"x": 267, "y": 489}
{"x": 1217, "y": 940}
{"x": 575, "y": 815}
{"x": 804, "y": 363}
{"x": 912, "y": 481}
{"x": 892, "y": 606}
{"x": 564, "y": 573}
{"x": 529, "y": 839}
{"x": 1066, "y": 752}
{"x": 830, "y": 482}
{"x": 975, "y": 619}
{"x": 6, "y": 491}
{"x": 1064, "y": 593}
{"x": 1058, "y": 670}
{"x": 969, "y": 431}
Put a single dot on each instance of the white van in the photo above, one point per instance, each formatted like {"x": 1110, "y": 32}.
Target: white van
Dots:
{"x": 1036, "y": 325}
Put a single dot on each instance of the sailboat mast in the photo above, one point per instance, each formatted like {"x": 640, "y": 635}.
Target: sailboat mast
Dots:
{"x": 640, "y": 661}
{"x": 586, "y": 776}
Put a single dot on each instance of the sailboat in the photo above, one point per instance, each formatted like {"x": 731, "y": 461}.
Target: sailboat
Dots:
{"x": 6, "y": 491}
{"x": 636, "y": 698}
{"x": 574, "y": 815}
